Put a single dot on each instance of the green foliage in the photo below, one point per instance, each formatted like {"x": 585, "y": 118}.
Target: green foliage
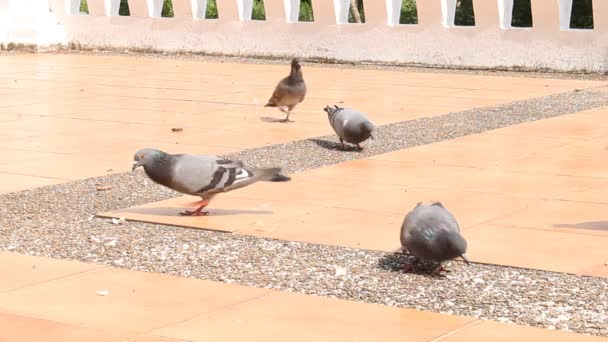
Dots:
{"x": 84, "y": 7}
{"x": 361, "y": 12}
{"x": 582, "y": 14}
{"x": 211, "y": 9}
{"x": 464, "y": 16}
{"x": 409, "y": 13}
{"x": 522, "y": 14}
{"x": 259, "y": 13}
{"x": 167, "y": 11}
{"x": 306, "y": 13}
{"x": 124, "y": 8}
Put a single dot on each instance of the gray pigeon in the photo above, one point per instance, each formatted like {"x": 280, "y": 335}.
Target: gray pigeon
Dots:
{"x": 430, "y": 232}
{"x": 350, "y": 125}
{"x": 290, "y": 91}
{"x": 200, "y": 175}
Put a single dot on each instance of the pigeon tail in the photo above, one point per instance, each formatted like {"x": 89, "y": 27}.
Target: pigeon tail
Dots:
{"x": 367, "y": 127}
{"x": 258, "y": 175}
{"x": 280, "y": 178}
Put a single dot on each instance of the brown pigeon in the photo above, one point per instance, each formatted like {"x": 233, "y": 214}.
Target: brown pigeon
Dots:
{"x": 290, "y": 91}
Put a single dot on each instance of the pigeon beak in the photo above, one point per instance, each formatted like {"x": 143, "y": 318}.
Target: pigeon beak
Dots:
{"x": 135, "y": 166}
{"x": 466, "y": 260}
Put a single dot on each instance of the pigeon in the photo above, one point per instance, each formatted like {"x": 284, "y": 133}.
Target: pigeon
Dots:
{"x": 430, "y": 232}
{"x": 290, "y": 91}
{"x": 350, "y": 125}
{"x": 200, "y": 175}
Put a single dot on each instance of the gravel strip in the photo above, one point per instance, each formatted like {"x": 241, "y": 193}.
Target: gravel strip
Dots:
{"x": 322, "y": 151}
{"x": 57, "y": 221}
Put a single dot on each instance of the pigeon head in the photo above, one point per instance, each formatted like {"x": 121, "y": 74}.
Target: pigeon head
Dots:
{"x": 453, "y": 245}
{"x": 295, "y": 64}
{"x": 147, "y": 157}
{"x": 331, "y": 110}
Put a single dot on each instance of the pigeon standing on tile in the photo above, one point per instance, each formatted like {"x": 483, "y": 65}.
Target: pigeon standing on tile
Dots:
{"x": 200, "y": 175}
{"x": 290, "y": 91}
{"x": 430, "y": 232}
{"x": 350, "y": 125}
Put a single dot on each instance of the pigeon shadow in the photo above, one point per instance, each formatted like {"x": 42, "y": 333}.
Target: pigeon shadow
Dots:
{"x": 591, "y": 225}
{"x": 273, "y": 120}
{"x": 396, "y": 262}
{"x": 173, "y": 211}
{"x": 334, "y": 146}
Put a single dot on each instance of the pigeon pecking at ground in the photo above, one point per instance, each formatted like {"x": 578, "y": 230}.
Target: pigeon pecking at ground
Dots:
{"x": 350, "y": 125}
{"x": 430, "y": 232}
{"x": 200, "y": 175}
{"x": 290, "y": 91}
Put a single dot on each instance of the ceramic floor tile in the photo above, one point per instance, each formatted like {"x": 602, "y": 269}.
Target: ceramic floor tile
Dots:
{"x": 13, "y": 183}
{"x": 122, "y": 101}
{"x": 384, "y": 172}
{"x": 560, "y": 164}
{"x": 21, "y": 328}
{"x": 20, "y": 270}
{"x": 14, "y": 155}
{"x": 560, "y": 216}
{"x": 273, "y": 318}
{"x": 152, "y": 338}
{"x": 477, "y": 208}
{"x": 559, "y": 127}
{"x": 536, "y": 249}
{"x": 136, "y": 302}
{"x": 500, "y": 332}
{"x": 68, "y": 167}
{"x": 338, "y": 227}
{"x": 306, "y": 190}
{"x": 531, "y": 185}
{"x": 227, "y": 214}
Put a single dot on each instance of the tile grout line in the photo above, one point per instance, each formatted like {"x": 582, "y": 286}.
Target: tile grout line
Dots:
{"x": 457, "y": 330}
{"x": 98, "y": 268}
{"x": 229, "y": 307}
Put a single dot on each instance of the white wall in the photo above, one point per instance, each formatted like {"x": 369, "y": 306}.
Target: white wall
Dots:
{"x": 434, "y": 41}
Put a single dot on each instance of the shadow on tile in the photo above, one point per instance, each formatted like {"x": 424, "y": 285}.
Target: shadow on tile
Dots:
{"x": 173, "y": 211}
{"x": 334, "y": 146}
{"x": 273, "y": 120}
{"x": 591, "y": 225}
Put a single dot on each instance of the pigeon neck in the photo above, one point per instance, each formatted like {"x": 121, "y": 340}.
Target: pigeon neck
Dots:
{"x": 160, "y": 171}
{"x": 295, "y": 75}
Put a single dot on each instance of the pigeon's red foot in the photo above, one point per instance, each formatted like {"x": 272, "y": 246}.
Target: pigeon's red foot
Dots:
{"x": 437, "y": 270}
{"x": 409, "y": 267}
{"x": 194, "y": 213}
{"x": 359, "y": 147}
{"x": 198, "y": 212}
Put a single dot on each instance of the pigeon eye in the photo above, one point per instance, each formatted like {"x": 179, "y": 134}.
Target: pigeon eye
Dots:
{"x": 141, "y": 156}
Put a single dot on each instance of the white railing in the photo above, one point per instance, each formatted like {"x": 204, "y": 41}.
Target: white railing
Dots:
{"x": 435, "y": 40}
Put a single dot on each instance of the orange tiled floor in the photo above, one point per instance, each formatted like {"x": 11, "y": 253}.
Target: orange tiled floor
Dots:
{"x": 538, "y": 188}
{"x": 58, "y": 109}
{"x": 58, "y": 300}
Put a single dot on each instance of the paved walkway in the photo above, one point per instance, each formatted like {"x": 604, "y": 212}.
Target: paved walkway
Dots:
{"x": 95, "y": 112}
{"x": 57, "y": 300}
{"x": 65, "y": 117}
{"x": 537, "y": 186}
